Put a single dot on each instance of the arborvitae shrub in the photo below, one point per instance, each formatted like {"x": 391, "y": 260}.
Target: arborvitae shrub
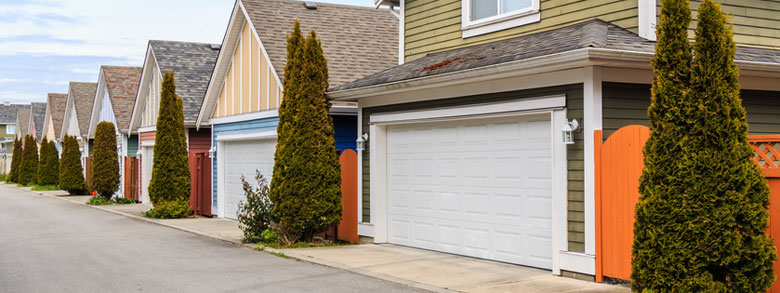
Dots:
{"x": 306, "y": 183}
{"x": 71, "y": 172}
{"x": 48, "y": 164}
{"x": 701, "y": 218}
{"x": 171, "y": 172}
{"x": 16, "y": 160}
{"x": 105, "y": 161}
{"x": 29, "y": 174}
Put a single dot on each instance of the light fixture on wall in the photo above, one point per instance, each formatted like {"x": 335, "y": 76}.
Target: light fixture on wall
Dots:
{"x": 360, "y": 143}
{"x": 568, "y": 131}
{"x": 212, "y": 151}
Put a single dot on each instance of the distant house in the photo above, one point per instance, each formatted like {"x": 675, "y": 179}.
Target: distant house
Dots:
{"x": 8, "y": 124}
{"x": 78, "y": 111}
{"x": 22, "y": 123}
{"x": 113, "y": 102}
{"x": 52, "y": 121}
{"x": 37, "y": 114}
{"x": 192, "y": 65}
{"x": 245, "y": 90}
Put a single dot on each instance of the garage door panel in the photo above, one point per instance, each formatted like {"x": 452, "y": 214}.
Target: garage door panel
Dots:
{"x": 242, "y": 158}
{"x": 479, "y": 187}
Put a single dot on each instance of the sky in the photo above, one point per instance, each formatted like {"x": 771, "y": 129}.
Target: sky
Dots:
{"x": 44, "y": 44}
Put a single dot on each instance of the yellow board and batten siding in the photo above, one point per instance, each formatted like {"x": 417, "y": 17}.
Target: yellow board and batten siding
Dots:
{"x": 152, "y": 104}
{"x": 756, "y": 22}
{"x": 435, "y": 25}
{"x": 250, "y": 84}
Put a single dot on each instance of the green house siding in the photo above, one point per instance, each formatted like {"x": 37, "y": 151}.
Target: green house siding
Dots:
{"x": 435, "y": 25}
{"x": 575, "y": 153}
{"x": 626, "y": 104}
{"x": 756, "y": 22}
{"x": 3, "y": 132}
{"x": 132, "y": 145}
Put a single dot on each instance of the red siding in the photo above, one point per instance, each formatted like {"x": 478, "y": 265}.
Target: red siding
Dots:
{"x": 145, "y": 136}
{"x": 200, "y": 140}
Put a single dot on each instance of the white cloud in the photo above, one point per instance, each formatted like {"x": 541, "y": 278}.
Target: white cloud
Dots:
{"x": 9, "y": 80}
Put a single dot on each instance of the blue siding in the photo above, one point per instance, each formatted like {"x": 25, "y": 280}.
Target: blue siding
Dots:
{"x": 132, "y": 145}
{"x": 235, "y": 127}
{"x": 345, "y": 127}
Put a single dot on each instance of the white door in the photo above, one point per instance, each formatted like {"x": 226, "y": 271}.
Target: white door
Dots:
{"x": 146, "y": 173}
{"x": 477, "y": 187}
{"x": 242, "y": 158}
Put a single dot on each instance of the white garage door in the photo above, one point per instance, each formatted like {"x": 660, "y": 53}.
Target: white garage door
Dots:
{"x": 479, "y": 187}
{"x": 242, "y": 158}
{"x": 148, "y": 163}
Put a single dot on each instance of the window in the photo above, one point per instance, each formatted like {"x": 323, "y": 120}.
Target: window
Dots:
{"x": 485, "y": 16}
{"x": 10, "y": 129}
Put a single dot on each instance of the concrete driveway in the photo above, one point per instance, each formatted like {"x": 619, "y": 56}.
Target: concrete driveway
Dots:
{"x": 51, "y": 245}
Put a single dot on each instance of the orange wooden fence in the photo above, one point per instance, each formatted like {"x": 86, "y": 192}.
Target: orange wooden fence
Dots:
{"x": 200, "y": 183}
{"x": 619, "y": 162}
{"x": 347, "y": 229}
{"x": 131, "y": 178}
{"x": 88, "y": 172}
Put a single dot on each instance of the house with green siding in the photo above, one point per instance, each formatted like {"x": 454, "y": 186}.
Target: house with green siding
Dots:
{"x": 481, "y": 141}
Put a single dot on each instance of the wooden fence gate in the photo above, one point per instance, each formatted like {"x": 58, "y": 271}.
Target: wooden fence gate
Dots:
{"x": 619, "y": 162}
{"x": 131, "y": 178}
{"x": 347, "y": 228}
{"x": 200, "y": 183}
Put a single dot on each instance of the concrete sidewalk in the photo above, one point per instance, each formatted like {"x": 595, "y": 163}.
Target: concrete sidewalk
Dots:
{"x": 423, "y": 269}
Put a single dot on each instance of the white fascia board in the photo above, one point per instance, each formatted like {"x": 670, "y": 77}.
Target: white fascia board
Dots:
{"x": 147, "y": 143}
{"x": 97, "y": 105}
{"x": 138, "y": 106}
{"x": 551, "y": 102}
{"x": 244, "y": 117}
{"x": 268, "y": 134}
{"x": 147, "y": 129}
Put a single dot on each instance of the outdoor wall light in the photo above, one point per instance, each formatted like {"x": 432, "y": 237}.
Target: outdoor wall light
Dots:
{"x": 212, "y": 151}
{"x": 360, "y": 143}
{"x": 568, "y": 131}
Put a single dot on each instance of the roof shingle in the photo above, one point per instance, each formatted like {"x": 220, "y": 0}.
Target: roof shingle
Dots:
{"x": 8, "y": 113}
{"x": 57, "y": 104}
{"x": 83, "y": 94}
{"x": 23, "y": 121}
{"x": 122, "y": 85}
{"x": 38, "y": 113}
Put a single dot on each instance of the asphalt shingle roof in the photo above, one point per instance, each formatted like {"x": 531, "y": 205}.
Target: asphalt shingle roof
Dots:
{"x": 357, "y": 41}
{"x": 589, "y": 34}
{"x": 57, "y": 104}
{"x": 8, "y": 113}
{"x": 83, "y": 99}
{"x": 38, "y": 114}
{"x": 23, "y": 121}
{"x": 192, "y": 64}
{"x": 122, "y": 85}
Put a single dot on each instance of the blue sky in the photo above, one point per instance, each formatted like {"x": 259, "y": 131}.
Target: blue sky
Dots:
{"x": 44, "y": 44}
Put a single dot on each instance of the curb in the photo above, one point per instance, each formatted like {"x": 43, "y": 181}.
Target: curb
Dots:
{"x": 265, "y": 249}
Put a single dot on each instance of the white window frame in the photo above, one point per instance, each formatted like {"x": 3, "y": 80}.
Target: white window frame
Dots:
{"x": 10, "y": 128}
{"x": 498, "y": 22}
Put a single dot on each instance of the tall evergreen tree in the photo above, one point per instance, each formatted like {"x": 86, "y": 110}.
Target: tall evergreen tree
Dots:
{"x": 71, "y": 176}
{"x": 29, "y": 165}
{"x": 105, "y": 161}
{"x": 48, "y": 164}
{"x": 305, "y": 186}
{"x": 171, "y": 173}
{"x": 16, "y": 160}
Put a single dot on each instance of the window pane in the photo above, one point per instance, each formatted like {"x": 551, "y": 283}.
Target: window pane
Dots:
{"x": 483, "y": 8}
{"x": 512, "y": 5}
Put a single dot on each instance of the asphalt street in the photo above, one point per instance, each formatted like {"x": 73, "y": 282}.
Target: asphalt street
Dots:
{"x": 50, "y": 245}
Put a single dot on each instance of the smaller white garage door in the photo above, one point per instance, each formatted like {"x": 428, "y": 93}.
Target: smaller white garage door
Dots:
{"x": 479, "y": 187}
{"x": 148, "y": 163}
{"x": 242, "y": 158}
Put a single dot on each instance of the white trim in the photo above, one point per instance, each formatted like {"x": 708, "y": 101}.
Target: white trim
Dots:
{"x": 360, "y": 172}
{"x": 647, "y": 19}
{"x": 577, "y": 262}
{"x": 365, "y": 229}
{"x": 592, "y": 121}
{"x": 244, "y": 117}
{"x": 147, "y": 143}
{"x": 472, "y": 110}
{"x": 255, "y": 135}
{"x": 343, "y": 110}
{"x": 401, "y": 31}
{"x": 378, "y": 195}
{"x": 497, "y": 22}
{"x": 220, "y": 179}
{"x": 241, "y": 72}
{"x": 147, "y": 129}
{"x": 559, "y": 189}
{"x": 214, "y": 208}
{"x": 268, "y": 88}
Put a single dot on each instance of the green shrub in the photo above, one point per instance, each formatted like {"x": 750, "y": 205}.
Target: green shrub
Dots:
{"x": 105, "y": 161}
{"x": 29, "y": 166}
{"x": 268, "y": 236}
{"x": 701, "y": 218}
{"x": 171, "y": 172}
{"x": 38, "y": 187}
{"x": 122, "y": 200}
{"x": 16, "y": 160}
{"x": 71, "y": 176}
{"x": 170, "y": 210}
{"x": 255, "y": 215}
{"x": 99, "y": 201}
{"x": 306, "y": 182}
{"x": 49, "y": 164}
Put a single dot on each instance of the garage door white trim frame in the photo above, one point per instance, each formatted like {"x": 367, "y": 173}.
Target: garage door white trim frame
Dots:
{"x": 555, "y": 106}
{"x": 221, "y": 139}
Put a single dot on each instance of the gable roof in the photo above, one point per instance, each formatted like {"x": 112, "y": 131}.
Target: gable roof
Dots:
{"x": 589, "y": 34}
{"x": 38, "y": 113}
{"x": 83, "y": 95}
{"x": 22, "y": 121}
{"x": 8, "y": 113}
{"x": 122, "y": 85}
{"x": 192, "y": 64}
{"x": 56, "y": 104}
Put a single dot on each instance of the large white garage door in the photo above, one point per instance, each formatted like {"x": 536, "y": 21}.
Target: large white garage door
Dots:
{"x": 477, "y": 187}
{"x": 243, "y": 158}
